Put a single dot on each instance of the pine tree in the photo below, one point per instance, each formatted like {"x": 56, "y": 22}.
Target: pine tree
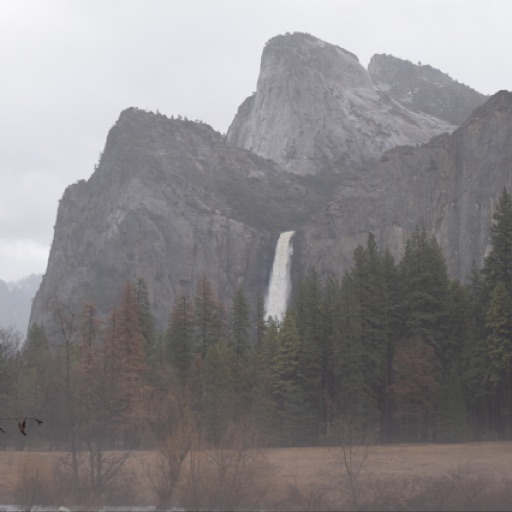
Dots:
{"x": 376, "y": 319}
{"x": 95, "y": 400}
{"x": 36, "y": 347}
{"x": 288, "y": 393}
{"x": 474, "y": 361}
{"x": 147, "y": 320}
{"x": 390, "y": 273}
{"x": 91, "y": 364}
{"x": 240, "y": 323}
{"x": 307, "y": 306}
{"x": 259, "y": 321}
{"x": 263, "y": 407}
{"x": 499, "y": 323}
{"x": 459, "y": 324}
{"x": 451, "y": 418}
{"x": 208, "y": 316}
{"x": 219, "y": 400}
{"x": 180, "y": 335}
{"x": 308, "y": 312}
{"x": 424, "y": 293}
{"x": 128, "y": 366}
{"x": 106, "y": 408}
{"x": 497, "y": 273}
{"x": 10, "y": 341}
{"x": 415, "y": 388}
{"x": 354, "y": 395}
{"x": 329, "y": 313}
{"x": 39, "y": 385}
{"x": 64, "y": 318}
{"x": 244, "y": 374}
{"x": 498, "y": 264}
{"x": 361, "y": 342}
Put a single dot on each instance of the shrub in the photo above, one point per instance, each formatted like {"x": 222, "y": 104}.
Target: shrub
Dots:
{"x": 226, "y": 477}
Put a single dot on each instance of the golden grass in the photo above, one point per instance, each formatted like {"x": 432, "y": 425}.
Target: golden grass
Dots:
{"x": 312, "y": 470}
{"x": 13, "y": 464}
{"x": 320, "y": 469}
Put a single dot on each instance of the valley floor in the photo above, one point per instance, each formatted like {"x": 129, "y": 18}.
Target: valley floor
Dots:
{"x": 317, "y": 478}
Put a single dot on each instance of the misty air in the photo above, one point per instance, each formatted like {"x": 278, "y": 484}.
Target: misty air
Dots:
{"x": 255, "y": 256}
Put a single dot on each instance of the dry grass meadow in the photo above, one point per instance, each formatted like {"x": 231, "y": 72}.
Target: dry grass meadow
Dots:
{"x": 468, "y": 476}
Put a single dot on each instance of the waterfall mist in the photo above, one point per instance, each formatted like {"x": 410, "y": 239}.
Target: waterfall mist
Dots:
{"x": 280, "y": 280}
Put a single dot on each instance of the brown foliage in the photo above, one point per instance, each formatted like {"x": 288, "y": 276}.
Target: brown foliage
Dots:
{"x": 173, "y": 427}
{"x": 415, "y": 388}
{"x": 227, "y": 477}
{"x": 128, "y": 365}
{"x": 112, "y": 392}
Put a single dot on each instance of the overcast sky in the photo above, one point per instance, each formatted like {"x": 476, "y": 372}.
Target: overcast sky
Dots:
{"x": 68, "y": 68}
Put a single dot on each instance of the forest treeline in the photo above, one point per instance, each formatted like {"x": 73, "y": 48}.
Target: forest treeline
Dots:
{"x": 397, "y": 351}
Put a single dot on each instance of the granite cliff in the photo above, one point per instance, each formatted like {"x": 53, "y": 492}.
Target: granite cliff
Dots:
{"x": 422, "y": 88}
{"x": 316, "y": 107}
{"x": 449, "y": 185}
{"x": 168, "y": 201}
{"x": 173, "y": 199}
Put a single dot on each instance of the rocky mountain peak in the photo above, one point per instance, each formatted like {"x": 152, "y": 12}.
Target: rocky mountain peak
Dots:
{"x": 295, "y": 53}
{"x": 499, "y": 104}
{"x": 316, "y": 106}
{"x": 169, "y": 201}
{"x": 423, "y": 88}
{"x": 172, "y": 200}
{"x": 449, "y": 186}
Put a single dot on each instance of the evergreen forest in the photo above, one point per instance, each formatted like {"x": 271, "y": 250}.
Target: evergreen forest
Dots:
{"x": 395, "y": 351}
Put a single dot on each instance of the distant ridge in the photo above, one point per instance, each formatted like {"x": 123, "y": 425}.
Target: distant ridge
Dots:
{"x": 423, "y": 88}
{"x": 16, "y": 302}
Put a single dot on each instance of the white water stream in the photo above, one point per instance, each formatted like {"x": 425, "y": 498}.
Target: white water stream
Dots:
{"x": 280, "y": 280}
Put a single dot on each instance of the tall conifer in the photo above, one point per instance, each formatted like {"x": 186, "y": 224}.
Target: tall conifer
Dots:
{"x": 208, "y": 316}
{"x": 146, "y": 320}
{"x": 129, "y": 365}
{"x": 180, "y": 335}
{"x": 497, "y": 273}
{"x": 240, "y": 323}
{"x": 424, "y": 292}
{"x": 498, "y": 263}
{"x": 499, "y": 323}
{"x": 295, "y": 417}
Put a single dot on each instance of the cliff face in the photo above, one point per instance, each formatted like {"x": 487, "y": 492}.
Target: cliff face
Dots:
{"x": 171, "y": 199}
{"x": 422, "y": 88}
{"x": 316, "y": 106}
{"x": 450, "y": 186}
{"x": 168, "y": 202}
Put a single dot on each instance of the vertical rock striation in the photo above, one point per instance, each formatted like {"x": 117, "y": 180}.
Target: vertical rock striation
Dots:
{"x": 422, "y": 88}
{"x": 315, "y": 106}
{"x": 169, "y": 201}
{"x": 450, "y": 186}
{"x": 172, "y": 199}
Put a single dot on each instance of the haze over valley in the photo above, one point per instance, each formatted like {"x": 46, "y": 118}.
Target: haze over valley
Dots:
{"x": 285, "y": 314}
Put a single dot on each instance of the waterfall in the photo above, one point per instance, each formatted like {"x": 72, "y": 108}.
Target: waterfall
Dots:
{"x": 280, "y": 281}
